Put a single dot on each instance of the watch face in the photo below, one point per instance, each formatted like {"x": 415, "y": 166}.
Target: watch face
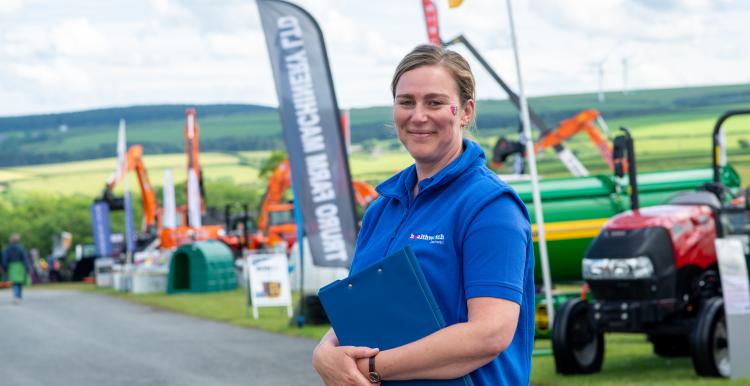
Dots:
{"x": 374, "y": 377}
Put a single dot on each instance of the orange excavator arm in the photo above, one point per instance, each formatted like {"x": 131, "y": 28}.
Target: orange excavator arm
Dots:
{"x": 192, "y": 149}
{"x": 583, "y": 121}
{"x": 602, "y": 144}
{"x": 278, "y": 183}
{"x": 281, "y": 181}
{"x": 364, "y": 193}
{"x": 134, "y": 162}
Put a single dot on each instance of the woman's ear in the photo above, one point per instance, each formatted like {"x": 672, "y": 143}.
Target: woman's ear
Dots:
{"x": 468, "y": 113}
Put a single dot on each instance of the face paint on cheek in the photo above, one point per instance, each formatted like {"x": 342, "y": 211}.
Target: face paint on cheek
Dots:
{"x": 454, "y": 109}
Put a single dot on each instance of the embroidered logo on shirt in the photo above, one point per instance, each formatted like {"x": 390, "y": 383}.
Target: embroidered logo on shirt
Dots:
{"x": 433, "y": 239}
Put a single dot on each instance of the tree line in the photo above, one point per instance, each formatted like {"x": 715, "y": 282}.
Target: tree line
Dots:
{"x": 39, "y": 216}
{"x": 133, "y": 114}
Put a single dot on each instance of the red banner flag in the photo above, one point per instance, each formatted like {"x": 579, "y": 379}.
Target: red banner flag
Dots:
{"x": 431, "y": 19}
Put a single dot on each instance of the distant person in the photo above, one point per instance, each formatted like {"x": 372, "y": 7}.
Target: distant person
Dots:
{"x": 3, "y": 279}
{"x": 53, "y": 268}
{"x": 17, "y": 265}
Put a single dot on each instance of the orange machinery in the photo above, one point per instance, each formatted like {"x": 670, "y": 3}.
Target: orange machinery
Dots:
{"x": 151, "y": 211}
{"x": 584, "y": 121}
{"x": 187, "y": 233}
{"x": 192, "y": 150}
{"x": 364, "y": 193}
{"x": 276, "y": 218}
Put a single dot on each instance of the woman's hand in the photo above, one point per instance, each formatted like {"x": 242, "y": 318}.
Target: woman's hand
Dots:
{"x": 337, "y": 365}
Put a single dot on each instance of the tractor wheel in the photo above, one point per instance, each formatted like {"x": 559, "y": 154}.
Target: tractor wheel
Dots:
{"x": 710, "y": 342}
{"x": 577, "y": 346}
{"x": 670, "y": 346}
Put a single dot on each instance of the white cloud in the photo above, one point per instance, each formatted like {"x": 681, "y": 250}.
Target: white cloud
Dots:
{"x": 78, "y": 37}
{"x": 8, "y": 7}
{"x": 235, "y": 45}
{"x": 77, "y": 54}
{"x": 26, "y": 41}
{"x": 169, "y": 9}
{"x": 61, "y": 73}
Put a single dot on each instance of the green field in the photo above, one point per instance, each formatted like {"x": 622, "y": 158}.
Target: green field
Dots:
{"x": 662, "y": 142}
{"x": 89, "y": 177}
{"x": 163, "y": 131}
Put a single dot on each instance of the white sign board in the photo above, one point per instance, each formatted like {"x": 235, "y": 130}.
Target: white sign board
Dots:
{"x": 734, "y": 282}
{"x": 730, "y": 253}
{"x": 103, "y": 271}
{"x": 268, "y": 276}
{"x": 315, "y": 276}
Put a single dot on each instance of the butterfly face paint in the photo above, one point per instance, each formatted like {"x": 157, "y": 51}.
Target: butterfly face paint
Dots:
{"x": 454, "y": 109}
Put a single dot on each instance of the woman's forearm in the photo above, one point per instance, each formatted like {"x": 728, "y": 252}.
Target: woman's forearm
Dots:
{"x": 455, "y": 350}
{"x": 449, "y": 353}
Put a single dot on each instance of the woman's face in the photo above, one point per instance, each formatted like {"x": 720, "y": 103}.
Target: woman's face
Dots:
{"x": 428, "y": 114}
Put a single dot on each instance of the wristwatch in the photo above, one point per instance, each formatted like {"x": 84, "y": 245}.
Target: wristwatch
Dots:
{"x": 372, "y": 374}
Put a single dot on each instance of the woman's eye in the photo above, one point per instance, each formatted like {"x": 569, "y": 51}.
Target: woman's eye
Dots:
{"x": 405, "y": 103}
{"x": 435, "y": 104}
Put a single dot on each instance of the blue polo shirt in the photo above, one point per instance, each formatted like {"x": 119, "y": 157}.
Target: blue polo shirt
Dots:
{"x": 471, "y": 234}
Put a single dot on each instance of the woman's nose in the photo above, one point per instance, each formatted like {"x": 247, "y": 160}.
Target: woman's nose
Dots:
{"x": 420, "y": 113}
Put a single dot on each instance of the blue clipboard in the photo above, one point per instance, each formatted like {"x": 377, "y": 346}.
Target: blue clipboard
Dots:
{"x": 386, "y": 305}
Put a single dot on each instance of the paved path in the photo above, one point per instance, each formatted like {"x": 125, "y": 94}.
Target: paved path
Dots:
{"x": 77, "y": 338}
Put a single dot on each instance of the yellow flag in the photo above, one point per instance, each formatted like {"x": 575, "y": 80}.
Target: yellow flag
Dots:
{"x": 454, "y": 3}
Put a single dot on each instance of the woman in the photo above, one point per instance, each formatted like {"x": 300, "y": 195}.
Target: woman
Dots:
{"x": 15, "y": 260}
{"x": 469, "y": 231}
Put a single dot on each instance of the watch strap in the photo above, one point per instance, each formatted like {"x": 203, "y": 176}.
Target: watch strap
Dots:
{"x": 372, "y": 373}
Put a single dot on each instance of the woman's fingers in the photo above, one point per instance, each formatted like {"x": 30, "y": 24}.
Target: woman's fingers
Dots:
{"x": 338, "y": 365}
{"x": 360, "y": 352}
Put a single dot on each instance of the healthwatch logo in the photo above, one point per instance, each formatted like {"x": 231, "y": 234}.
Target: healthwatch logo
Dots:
{"x": 433, "y": 239}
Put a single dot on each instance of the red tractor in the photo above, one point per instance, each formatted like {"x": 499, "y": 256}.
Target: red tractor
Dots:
{"x": 654, "y": 271}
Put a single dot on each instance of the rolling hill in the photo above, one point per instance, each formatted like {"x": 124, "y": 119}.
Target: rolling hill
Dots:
{"x": 91, "y": 134}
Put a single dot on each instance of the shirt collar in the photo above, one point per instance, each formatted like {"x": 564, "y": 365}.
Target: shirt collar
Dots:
{"x": 399, "y": 185}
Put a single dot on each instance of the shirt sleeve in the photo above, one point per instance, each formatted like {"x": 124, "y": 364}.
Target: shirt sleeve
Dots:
{"x": 495, "y": 250}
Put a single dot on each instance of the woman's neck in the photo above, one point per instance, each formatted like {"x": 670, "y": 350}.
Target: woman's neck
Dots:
{"x": 427, "y": 170}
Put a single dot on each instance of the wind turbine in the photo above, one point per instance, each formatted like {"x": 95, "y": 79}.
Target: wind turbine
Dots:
{"x": 625, "y": 90}
{"x": 629, "y": 62}
{"x": 600, "y": 72}
{"x": 599, "y": 68}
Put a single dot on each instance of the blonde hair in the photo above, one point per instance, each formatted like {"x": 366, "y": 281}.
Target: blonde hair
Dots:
{"x": 429, "y": 55}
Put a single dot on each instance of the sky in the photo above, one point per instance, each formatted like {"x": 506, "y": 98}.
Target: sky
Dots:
{"x": 73, "y": 55}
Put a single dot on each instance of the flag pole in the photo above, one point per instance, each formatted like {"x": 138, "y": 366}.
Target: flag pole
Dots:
{"x": 531, "y": 156}
{"x": 124, "y": 148}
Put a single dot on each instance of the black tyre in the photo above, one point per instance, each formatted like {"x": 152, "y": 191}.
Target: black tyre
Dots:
{"x": 670, "y": 346}
{"x": 710, "y": 342}
{"x": 577, "y": 346}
